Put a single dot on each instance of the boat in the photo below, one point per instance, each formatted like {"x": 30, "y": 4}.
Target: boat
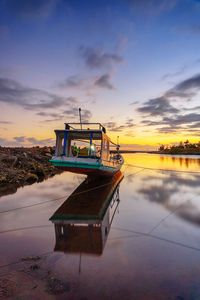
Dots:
{"x": 85, "y": 148}
{"x": 82, "y": 223}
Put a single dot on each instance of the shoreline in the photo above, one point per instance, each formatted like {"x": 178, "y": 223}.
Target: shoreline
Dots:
{"x": 153, "y": 152}
{"x": 21, "y": 166}
{"x": 24, "y": 166}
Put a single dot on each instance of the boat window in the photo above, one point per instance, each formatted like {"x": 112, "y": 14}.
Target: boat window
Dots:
{"x": 79, "y": 144}
{"x": 84, "y": 148}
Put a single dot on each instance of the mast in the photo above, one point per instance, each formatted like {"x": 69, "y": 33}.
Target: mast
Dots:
{"x": 80, "y": 117}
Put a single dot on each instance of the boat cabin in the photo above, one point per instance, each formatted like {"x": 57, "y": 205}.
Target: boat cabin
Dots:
{"x": 85, "y": 140}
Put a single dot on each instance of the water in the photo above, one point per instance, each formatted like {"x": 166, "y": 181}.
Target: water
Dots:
{"x": 146, "y": 247}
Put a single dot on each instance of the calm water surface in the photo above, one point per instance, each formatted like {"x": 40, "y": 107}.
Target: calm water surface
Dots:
{"x": 151, "y": 250}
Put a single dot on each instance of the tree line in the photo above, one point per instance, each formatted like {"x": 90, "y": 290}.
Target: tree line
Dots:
{"x": 183, "y": 147}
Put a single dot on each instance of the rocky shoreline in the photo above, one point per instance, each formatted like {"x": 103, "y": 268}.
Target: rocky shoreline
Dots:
{"x": 24, "y": 166}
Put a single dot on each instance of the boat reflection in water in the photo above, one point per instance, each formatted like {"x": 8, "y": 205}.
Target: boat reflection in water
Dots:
{"x": 83, "y": 221}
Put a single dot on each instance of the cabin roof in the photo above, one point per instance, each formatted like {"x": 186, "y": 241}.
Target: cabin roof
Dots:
{"x": 83, "y": 134}
{"x": 84, "y": 130}
{"x": 84, "y": 126}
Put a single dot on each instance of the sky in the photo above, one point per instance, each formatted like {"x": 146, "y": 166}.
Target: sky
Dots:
{"x": 133, "y": 65}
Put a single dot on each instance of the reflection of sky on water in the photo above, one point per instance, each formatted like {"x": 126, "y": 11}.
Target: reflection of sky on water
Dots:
{"x": 159, "y": 266}
{"x": 168, "y": 162}
{"x": 32, "y": 240}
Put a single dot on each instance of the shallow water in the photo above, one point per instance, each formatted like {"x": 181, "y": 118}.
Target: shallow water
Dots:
{"x": 151, "y": 251}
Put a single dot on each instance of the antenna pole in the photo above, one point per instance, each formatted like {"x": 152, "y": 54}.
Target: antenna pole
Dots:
{"x": 80, "y": 117}
{"x": 118, "y": 145}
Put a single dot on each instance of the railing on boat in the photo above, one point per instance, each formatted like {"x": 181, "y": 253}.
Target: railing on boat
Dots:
{"x": 85, "y": 126}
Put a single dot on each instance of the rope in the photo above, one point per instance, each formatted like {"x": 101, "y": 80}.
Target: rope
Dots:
{"x": 25, "y": 228}
{"x": 159, "y": 169}
{"x": 40, "y": 203}
{"x": 31, "y": 205}
{"x": 75, "y": 194}
{"x": 59, "y": 198}
{"x": 171, "y": 213}
{"x": 139, "y": 233}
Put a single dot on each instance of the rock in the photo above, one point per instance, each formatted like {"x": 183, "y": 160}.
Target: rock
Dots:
{"x": 31, "y": 178}
{"x": 2, "y": 179}
{"x": 10, "y": 160}
{"x": 34, "y": 267}
{"x": 31, "y": 258}
{"x": 39, "y": 172}
{"x": 56, "y": 286}
{"x": 21, "y": 166}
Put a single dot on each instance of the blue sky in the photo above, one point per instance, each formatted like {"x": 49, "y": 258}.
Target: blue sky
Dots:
{"x": 132, "y": 65}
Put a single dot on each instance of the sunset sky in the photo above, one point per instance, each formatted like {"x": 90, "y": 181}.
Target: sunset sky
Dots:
{"x": 132, "y": 65}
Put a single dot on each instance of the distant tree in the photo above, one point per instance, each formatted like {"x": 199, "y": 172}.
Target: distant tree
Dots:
{"x": 161, "y": 148}
{"x": 181, "y": 145}
{"x": 186, "y": 143}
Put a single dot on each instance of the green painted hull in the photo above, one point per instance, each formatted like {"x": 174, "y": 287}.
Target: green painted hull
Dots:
{"x": 84, "y": 167}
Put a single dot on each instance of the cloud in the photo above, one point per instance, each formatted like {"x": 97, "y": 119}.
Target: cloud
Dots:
{"x": 157, "y": 107}
{"x": 55, "y": 116}
{"x": 96, "y": 58}
{"x": 104, "y": 82}
{"x": 87, "y": 84}
{"x": 182, "y": 119}
{"x": 45, "y": 114}
{"x": 73, "y": 113}
{"x": 169, "y": 129}
{"x": 43, "y": 142}
{"x": 6, "y": 122}
{"x": 73, "y": 81}
{"x": 195, "y": 108}
{"x": 180, "y": 71}
{"x": 169, "y": 187}
{"x": 195, "y": 125}
{"x": 32, "y": 8}
{"x": 12, "y": 92}
{"x": 70, "y": 113}
{"x": 113, "y": 126}
{"x": 20, "y": 139}
{"x": 172, "y": 119}
{"x": 26, "y": 141}
{"x": 3, "y": 141}
{"x": 152, "y": 7}
{"x": 176, "y": 123}
{"x": 186, "y": 88}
